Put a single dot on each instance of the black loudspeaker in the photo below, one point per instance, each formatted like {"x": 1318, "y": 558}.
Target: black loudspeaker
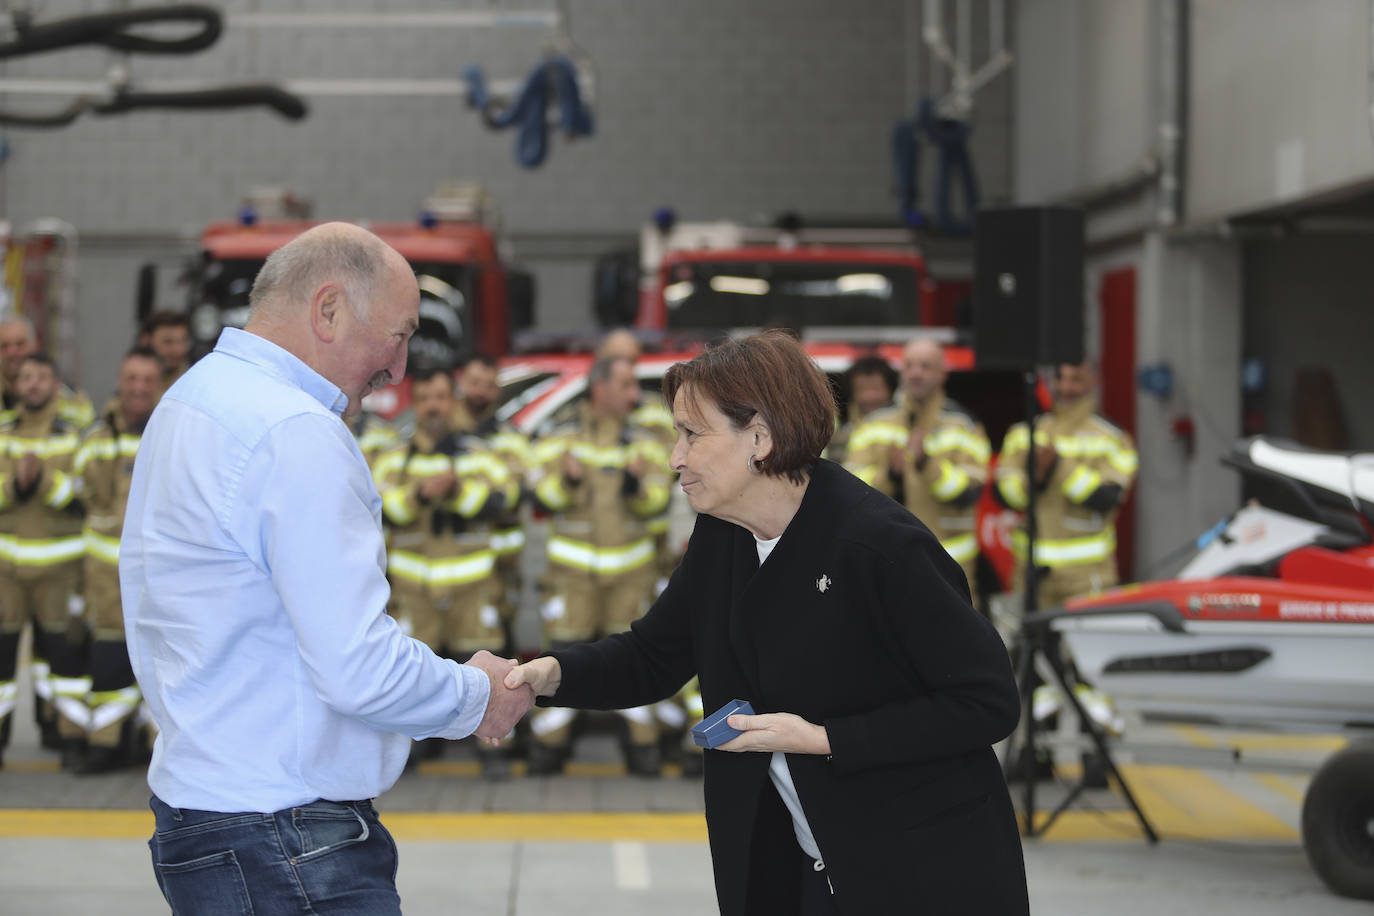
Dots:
{"x": 1028, "y": 287}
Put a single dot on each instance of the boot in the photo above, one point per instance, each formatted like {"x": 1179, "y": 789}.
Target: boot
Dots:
{"x": 545, "y": 760}
{"x": 643, "y": 759}
{"x": 100, "y": 760}
{"x": 73, "y": 752}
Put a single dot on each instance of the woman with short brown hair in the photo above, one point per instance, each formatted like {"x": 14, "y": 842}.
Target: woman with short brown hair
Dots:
{"x": 865, "y": 782}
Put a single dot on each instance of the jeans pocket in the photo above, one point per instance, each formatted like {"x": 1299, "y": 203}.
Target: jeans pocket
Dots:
{"x": 325, "y": 827}
{"x": 211, "y": 885}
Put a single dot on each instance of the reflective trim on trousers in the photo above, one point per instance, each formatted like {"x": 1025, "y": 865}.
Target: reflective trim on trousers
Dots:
{"x": 1069, "y": 552}
{"x": 605, "y": 560}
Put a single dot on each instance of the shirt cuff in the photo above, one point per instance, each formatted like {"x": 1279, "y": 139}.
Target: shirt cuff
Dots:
{"x": 475, "y": 689}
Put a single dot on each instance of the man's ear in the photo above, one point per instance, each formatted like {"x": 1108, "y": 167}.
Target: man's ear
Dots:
{"x": 326, "y": 310}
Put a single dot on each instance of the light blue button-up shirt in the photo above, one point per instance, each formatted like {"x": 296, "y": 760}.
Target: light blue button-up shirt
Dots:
{"x": 252, "y": 570}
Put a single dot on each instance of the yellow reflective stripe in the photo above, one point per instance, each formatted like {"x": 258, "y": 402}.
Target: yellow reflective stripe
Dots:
{"x": 377, "y": 439}
{"x": 955, "y": 437}
{"x": 471, "y": 498}
{"x": 962, "y": 548}
{"x": 481, "y": 463}
{"x": 413, "y": 567}
{"x": 512, "y": 540}
{"x": 70, "y": 686}
{"x": 877, "y": 432}
{"x": 51, "y": 447}
{"x": 657, "y": 525}
{"x": 429, "y": 465}
{"x": 396, "y": 504}
{"x": 62, "y": 490}
{"x": 110, "y": 706}
{"x": 102, "y": 547}
{"x": 549, "y": 450}
{"x": 1124, "y": 460}
{"x": 1012, "y": 486}
{"x": 462, "y": 570}
{"x": 403, "y": 565}
{"x": 389, "y": 463}
{"x": 9, "y": 697}
{"x": 868, "y": 473}
{"x": 1068, "y": 551}
{"x": 1081, "y": 483}
{"x": 1017, "y": 438}
{"x": 26, "y": 552}
{"x": 953, "y": 481}
{"x": 605, "y": 560}
{"x": 607, "y": 456}
{"x": 551, "y": 492}
{"x": 652, "y": 501}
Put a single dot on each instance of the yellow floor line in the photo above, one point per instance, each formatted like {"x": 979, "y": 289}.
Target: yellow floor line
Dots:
{"x": 1179, "y": 802}
{"x": 1262, "y": 741}
{"x": 1283, "y": 785}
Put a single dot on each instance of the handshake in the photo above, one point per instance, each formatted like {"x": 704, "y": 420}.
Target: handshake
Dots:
{"x": 513, "y": 689}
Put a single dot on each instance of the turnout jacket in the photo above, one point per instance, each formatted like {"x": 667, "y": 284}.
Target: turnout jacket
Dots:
{"x": 600, "y": 523}
{"x": 41, "y": 528}
{"x": 1077, "y": 507}
{"x": 858, "y": 621}
{"x": 942, "y": 491}
{"x": 105, "y": 463}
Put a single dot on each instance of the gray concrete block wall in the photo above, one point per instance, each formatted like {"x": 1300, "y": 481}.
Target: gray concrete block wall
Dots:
{"x": 718, "y": 109}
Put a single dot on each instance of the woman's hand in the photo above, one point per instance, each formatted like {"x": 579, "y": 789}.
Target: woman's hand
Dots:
{"x": 543, "y": 674}
{"x": 776, "y": 731}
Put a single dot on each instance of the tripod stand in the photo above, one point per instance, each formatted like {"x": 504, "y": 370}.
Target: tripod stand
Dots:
{"x": 1035, "y": 640}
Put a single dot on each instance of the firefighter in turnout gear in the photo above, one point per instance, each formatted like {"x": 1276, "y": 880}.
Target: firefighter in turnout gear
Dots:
{"x": 872, "y": 385}
{"x": 927, "y": 453}
{"x": 105, "y": 463}
{"x": 475, "y": 413}
{"x": 42, "y": 546}
{"x": 1084, "y": 467}
{"x": 375, "y": 437}
{"x": 439, "y": 492}
{"x": 602, "y": 478}
{"x": 18, "y": 340}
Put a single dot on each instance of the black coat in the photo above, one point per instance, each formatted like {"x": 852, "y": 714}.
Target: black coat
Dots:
{"x": 858, "y": 621}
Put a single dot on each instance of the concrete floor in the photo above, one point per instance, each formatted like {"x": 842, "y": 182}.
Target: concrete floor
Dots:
{"x": 595, "y": 840}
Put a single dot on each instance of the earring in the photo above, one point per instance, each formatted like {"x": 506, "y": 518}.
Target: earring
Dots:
{"x": 753, "y": 465}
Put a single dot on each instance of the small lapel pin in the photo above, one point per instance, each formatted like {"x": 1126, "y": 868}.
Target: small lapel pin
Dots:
{"x": 822, "y": 583}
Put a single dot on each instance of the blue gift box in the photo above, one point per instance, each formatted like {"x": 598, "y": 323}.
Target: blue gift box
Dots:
{"x": 713, "y": 731}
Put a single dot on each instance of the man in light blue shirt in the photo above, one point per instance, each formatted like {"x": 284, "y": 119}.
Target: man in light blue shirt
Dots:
{"x": 252, "y": 570}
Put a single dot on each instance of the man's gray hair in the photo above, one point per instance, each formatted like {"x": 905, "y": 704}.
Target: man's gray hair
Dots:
{"x": 292, "y": 273}
{"x": 24, "y": 321}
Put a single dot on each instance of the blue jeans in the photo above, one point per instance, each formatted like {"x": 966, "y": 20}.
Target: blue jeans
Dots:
{"x": 330, "y": 858}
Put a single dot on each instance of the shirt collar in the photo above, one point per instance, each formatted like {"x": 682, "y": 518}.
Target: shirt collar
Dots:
{"x": 266, "y": 355}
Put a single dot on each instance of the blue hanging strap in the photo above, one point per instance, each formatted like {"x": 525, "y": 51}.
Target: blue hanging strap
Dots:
{"x": 551, "y": 82}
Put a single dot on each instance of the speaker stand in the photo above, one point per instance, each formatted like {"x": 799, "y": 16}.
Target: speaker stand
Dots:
{"x": 1034, "y": 642}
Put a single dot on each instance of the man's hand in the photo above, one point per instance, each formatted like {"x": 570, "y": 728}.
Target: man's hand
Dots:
{"x": 506, "y": 705}
{"x": 543, "y": 675}
{"x": 916, "y": 445}
{"x": 437, "y": 487}
{"x": 1045, "y": 457}
{"x": 26, "y": 473}
{"x": 777, "y": 731}
{"x": 572, "y": 468}
{"x": 896, "y": 460}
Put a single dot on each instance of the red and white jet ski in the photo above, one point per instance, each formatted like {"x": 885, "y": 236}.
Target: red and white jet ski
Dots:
{"x": 1270, "y": 625}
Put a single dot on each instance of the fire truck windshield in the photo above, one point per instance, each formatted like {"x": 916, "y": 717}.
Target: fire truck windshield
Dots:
{"x": 796, "y": 294}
